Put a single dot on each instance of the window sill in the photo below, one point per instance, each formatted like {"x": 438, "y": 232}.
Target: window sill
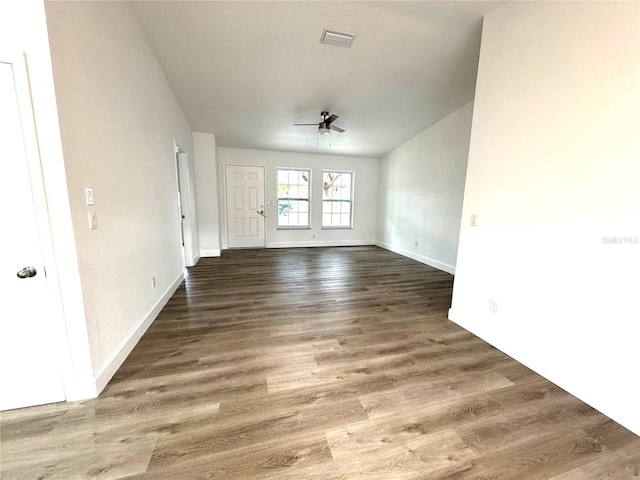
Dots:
{"x": 293, "y": 228}
{"x": 337, "y": 228}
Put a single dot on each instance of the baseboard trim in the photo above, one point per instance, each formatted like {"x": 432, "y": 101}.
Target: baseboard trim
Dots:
{"x": 210, "y": 253}
{"x": 467, "y": 319}
{"x": 461, "y": 317}
{"x": 432, "y": 262}
{"x": 191, "y": 262}
{"x": 321, "y": 243}
{"x": 108, "y": 370}
{"x": 455, "y": 316}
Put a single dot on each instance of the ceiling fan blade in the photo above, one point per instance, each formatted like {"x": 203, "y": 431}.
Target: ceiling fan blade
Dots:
{"x": 337, "y": 129}
{"x": 330, "y": 119}
{"x": 305, "y": 124}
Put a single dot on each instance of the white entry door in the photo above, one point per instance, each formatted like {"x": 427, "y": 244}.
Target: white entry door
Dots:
{"x": 29, "y": 367}
{"x": 245, "y": 206}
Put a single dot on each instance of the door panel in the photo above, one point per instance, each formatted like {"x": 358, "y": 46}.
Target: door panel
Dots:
{"x": 29, "y": 368}
{"x": 253, "y": 227}
{"x": 239, "y": 227}
{"x": 237, "y": 199}
{"x": 253, "y": 198}
{"x": 245, "y": 198}
{"x": 184, "y": 206}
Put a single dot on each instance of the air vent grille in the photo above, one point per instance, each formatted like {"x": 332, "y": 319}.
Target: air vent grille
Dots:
{"x": 337, "y": 39}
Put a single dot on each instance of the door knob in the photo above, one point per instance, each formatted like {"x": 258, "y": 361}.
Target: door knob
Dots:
{"x": 27, "y": 272}
{"x": 261, "y": 212}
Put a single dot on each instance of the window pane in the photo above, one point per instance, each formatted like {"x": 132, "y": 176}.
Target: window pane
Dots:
{"x": 298, "y": 216}
{"x": 284, "y": 207}
{"x": 327, "y": 183}
{"x": 292, "y": 185}
{"x": 337, "y": 194}
{"x": 284, "y": 211}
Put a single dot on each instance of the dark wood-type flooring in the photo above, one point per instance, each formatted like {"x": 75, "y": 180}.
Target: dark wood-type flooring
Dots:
{"x": 324, "y": 363}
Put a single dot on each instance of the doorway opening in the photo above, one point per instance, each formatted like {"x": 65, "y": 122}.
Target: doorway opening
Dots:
{"x": 182, "y": 177}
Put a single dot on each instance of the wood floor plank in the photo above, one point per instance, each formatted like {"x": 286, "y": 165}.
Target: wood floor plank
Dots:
{"x": 623, "y": 464}
{"x": 269, "y": 459}
{"x": 319, "y": 363}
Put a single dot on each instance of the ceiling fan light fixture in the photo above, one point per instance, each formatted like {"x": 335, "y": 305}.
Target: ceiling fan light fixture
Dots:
{"x": 324, "y": 126}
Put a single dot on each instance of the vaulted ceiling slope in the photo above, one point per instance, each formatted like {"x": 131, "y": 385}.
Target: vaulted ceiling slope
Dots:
{"x": 247, "y": 71}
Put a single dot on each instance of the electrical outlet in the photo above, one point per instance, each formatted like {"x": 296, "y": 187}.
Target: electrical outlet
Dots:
{"x": 416, "y": 243}
{"x": 493, "y": 306}
{"x": 313, "y": 236}
{"x": 153, "y": 282}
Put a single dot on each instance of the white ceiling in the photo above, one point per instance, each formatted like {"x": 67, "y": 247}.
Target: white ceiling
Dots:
{"x": 247, "y": 71}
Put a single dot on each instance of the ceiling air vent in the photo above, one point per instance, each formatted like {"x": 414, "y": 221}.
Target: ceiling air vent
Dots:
{"x": 337, "y": 39}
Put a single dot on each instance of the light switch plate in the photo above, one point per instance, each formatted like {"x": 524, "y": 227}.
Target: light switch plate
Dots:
{"x": 93, "y": 221}
{"x": 474, "y": 220}
{"x": 493, "y": 306}
{"x": 88, "y": 195}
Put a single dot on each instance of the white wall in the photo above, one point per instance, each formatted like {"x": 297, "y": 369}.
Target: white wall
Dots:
{"x": 420, "y": 192}
{"x": 23, "y": 30}
{"x": 364, "y": 203}
{"x": 206, "y": 178}
{"x": 553, "y": 168}
{"x": 119, "y": 120}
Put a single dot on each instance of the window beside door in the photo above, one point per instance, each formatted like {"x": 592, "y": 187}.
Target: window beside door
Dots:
{"x": 293, "y": 197}
{"x": 337, "y": 199}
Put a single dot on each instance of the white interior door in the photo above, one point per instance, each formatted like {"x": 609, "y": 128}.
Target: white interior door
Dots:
{"x": 180, "y": 169}
{"x": 245, "y": 206}
{"x": 29, "y": 369}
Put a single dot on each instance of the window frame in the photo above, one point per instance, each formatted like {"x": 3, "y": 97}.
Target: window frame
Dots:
{"x": 351, "y": 200}
{"x": 297, "y": 199}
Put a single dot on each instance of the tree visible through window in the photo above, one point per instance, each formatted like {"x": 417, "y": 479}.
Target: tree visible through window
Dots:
{"x": 337, "y": 199}
{"x": 293, "y": 198}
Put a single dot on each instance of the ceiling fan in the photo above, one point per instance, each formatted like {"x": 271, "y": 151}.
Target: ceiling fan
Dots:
{"x": 326, "y": 125}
